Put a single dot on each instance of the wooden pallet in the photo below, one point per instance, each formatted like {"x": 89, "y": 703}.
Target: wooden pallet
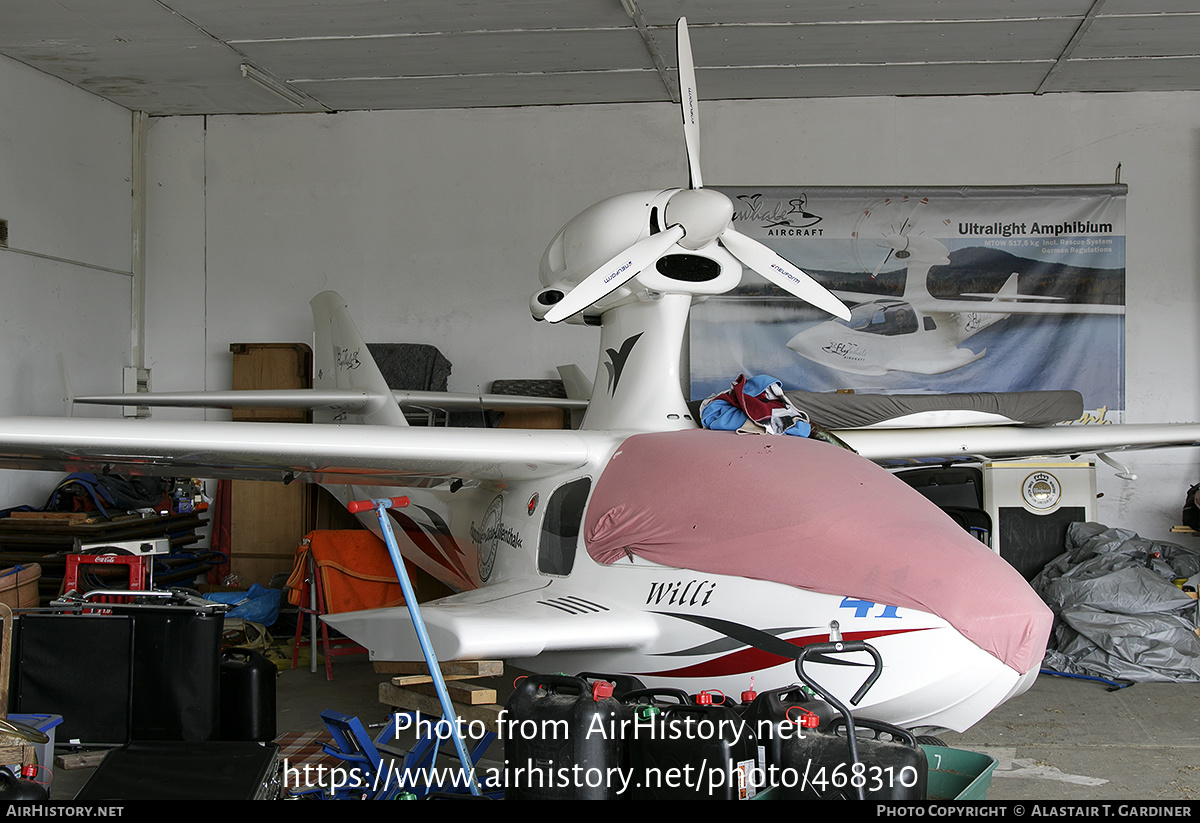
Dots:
{"x": 411, "y": 688}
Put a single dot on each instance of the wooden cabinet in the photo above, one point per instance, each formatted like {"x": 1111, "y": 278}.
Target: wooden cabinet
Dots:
{"x": 267, "y": 520}
{"x": 272, "y": 366}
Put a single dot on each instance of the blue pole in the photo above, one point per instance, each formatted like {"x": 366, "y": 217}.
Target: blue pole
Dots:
{"x": 435, "y": 671}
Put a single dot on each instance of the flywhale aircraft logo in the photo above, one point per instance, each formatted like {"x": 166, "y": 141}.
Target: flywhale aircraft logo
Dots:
{"x": 789, "y": 218}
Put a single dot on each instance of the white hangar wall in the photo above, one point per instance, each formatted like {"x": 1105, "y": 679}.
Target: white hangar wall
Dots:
{"x": 65, "y": 278}
{"x": 431, "y": 224}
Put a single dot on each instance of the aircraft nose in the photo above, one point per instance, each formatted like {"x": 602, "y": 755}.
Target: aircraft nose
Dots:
{"x": 803, "y": 343}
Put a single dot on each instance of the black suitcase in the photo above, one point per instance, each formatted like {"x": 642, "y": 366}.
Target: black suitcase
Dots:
{"x": 161, "y": 665}
{"x": 168, "y": 770}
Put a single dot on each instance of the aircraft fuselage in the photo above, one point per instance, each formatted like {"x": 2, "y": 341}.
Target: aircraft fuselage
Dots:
{"x": 894, "y": 335}
{"x": 521, "y": 549}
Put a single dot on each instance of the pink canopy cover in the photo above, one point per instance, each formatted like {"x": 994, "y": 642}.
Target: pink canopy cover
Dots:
{"x": 811, "y": 515}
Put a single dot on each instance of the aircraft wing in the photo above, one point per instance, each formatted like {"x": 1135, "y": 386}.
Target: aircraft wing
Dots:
{"x": 514, "y": 619}
{"x": 999, "y": 442}
{"x": 312, "y": 452}
{"x": 1003, "y": 305}
{"x": 854, "y": 297}
{"x": 997, "y": 304}
{"x": 399, "y": 456}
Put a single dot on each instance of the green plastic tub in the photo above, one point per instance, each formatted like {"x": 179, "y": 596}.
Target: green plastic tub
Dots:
{"x": 956, "y": 774}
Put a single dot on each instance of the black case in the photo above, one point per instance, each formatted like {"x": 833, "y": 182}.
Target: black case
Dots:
{"x": 160, "y": 665}
{"x": 166, "y": 770}
{"x": 248, "y": 706}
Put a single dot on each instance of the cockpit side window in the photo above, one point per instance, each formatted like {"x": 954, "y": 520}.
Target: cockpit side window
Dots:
{"x": 560, "y": 527}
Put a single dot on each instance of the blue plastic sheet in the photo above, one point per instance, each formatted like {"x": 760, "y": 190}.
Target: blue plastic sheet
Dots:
{"x": 259, "y": 604}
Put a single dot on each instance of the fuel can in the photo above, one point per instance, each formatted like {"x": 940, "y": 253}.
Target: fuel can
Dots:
{"x": 562, "y": 740}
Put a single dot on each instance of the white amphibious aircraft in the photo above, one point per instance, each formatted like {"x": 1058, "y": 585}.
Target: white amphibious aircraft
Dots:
{"x": 917, "y": 332}
{"x": 639, "y": 544}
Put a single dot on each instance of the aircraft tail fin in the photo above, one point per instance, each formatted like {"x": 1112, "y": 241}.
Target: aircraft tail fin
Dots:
{"x": 578, "y": 387}
{"x": 577, "y": 384}
{"x": 341, "y": 361}
{"x": 1010, "y": 287}
{"x": 1010, "y": 293}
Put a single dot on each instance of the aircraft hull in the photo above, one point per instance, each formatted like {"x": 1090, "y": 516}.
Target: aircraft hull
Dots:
{"x": 737, "y": 618}
{"x": 692, "y": 633}
{"x": 932, "y": 676}
{"x": 832, "y": 344}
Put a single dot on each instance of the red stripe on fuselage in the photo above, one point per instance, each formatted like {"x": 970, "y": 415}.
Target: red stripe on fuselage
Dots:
{"x": 426, "y": 545}
{"x": 751, "y": 659}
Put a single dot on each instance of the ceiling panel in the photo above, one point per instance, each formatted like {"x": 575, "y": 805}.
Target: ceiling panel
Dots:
{"x": 489, "y": 90}
{"x": 473, "y": 53}
{"x": 234, "y": 20}
{"x": 1142, "y": 35}
{"x": 666, "y": 12}
{"x": 900, "y": 43}
{"x": 1127, "y": 75}
{"x": 186, "y": 56}
{"x": 866, "y": 80}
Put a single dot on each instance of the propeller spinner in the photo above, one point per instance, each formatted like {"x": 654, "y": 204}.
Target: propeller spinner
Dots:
{"x": 695, "y": 219}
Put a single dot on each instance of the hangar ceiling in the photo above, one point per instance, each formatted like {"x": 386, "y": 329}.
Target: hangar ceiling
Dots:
{"x": 173, "y": 57}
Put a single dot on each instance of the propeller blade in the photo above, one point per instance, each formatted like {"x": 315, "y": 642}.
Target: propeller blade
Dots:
{"x": 689, "y": 101}
{"x": 883, "y": 262}
{"x": 893, "y": 243}
{"x": 906, "y": 226}
{"x": 782, "y": 273}
{"x": 615, "y": 273}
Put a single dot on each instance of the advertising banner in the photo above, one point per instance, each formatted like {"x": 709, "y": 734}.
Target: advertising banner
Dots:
{"x": 967, "y": 289}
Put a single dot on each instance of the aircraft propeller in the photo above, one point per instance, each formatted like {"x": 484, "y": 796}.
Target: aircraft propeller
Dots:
{"x": 694, "y": 217}
{"x": 903, "y": 244}
{"x": 907, "y": 247}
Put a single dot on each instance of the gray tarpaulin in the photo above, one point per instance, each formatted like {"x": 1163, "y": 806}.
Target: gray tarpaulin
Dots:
{"x": 834, "y": 410}
{"x": 1118, "y": 613}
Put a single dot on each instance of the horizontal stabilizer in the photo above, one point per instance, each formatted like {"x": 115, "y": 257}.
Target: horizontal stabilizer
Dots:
{"x": 1001, "y": 297}
{"x": 353, "y": 401}
{"x": 1014, "y": 306}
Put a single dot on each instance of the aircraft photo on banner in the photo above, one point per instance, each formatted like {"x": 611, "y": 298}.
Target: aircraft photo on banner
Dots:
{"x": 952, "y": 289}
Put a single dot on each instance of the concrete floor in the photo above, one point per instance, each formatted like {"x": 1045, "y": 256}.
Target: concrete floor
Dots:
{"x": 1070, "y": 739}
{"x": 1065, "y": 739}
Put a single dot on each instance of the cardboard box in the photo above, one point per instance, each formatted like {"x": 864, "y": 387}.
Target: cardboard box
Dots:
{"x": 19, "y": 586}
